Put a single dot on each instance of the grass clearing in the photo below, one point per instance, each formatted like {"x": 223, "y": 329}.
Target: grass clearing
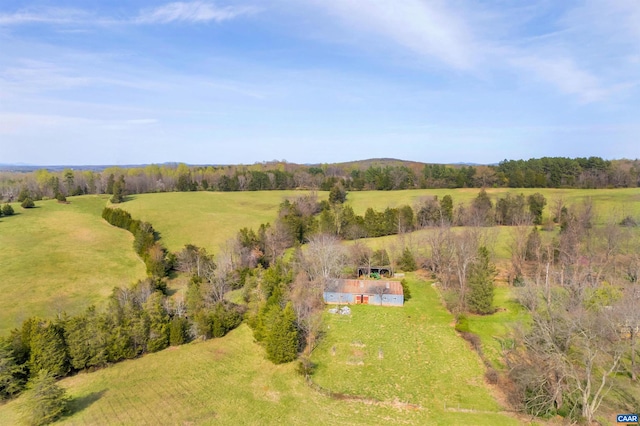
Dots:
{"x": 224, "y": 381}
{"x": 618, "y": 202}
{"x": 206, "y": 219}
{"x": 410, "y": 354}
{"x": 61, "y": 257}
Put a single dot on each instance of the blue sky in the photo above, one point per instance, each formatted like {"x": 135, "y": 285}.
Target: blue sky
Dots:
{"x": 220, "y": 82}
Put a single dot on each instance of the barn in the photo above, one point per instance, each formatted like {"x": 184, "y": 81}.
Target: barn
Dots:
{"x": 367, "y": 292}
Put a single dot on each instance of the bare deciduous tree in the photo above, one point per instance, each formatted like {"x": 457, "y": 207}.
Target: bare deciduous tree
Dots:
{"x": 324, "y": 258}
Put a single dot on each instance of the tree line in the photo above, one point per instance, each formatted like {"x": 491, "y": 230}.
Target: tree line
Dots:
{"x": 548, "y": 172}
{"x": 136, "y": 320}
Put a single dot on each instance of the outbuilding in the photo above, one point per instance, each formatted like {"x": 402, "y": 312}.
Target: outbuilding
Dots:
{"x": 367, "y": 292}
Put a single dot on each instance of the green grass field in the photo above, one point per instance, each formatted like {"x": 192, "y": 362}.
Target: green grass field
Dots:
{"x": 607, "y": 202}
{"x": 228, "y": 381}
{"x": 206, "y": 219}
{"x": 61, "y": 257}
{"x": 411, "y": 354}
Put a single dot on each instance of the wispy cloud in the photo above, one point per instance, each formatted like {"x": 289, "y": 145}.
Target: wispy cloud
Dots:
{"x": 44, "y": 16}
{"x": 430, "y": 28}
{"x": 565, "y": 75}
{"x": 196, "y": 11}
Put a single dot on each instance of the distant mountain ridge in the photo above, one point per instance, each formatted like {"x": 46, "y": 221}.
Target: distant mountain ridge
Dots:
{"x": 376, "y": 162}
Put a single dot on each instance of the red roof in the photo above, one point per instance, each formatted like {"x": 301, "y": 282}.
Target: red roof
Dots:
{"x": 364, "y": 286}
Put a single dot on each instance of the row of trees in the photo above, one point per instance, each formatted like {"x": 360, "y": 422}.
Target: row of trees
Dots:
{"x": 136, "y": 320}
{"x": 552, "y": 172}
{"x": 156, "y": 258}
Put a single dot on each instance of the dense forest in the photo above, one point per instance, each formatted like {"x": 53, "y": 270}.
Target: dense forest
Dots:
{"x": 592, "y": 172}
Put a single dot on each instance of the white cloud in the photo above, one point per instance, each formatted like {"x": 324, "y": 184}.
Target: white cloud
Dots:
{"x": 430, "y": 28}
{"x": 565, "y": 75}
{"x": 43, "y": 16}
{"x": 196, "y": 11}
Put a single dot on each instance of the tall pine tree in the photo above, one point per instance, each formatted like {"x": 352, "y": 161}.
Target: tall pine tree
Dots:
{"x": 481, "y": 284}
{"x": 282, "y": 338}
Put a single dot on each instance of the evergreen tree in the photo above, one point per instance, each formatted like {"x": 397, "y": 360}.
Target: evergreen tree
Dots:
{"x": 158, "y": 323}
{"x": 119, "y": 189}
{"x": 48, "y": 349}
{"x": 44, "y": 401}
{"x": 481, "y": 284}
{"x": 337, "y": 195}
{"x": 179, "y": 331}
{"x": 446, "y": 206}
{"x": 11, "y": 373}
{"x": 282, "y": 338}
{"x": 86, "y": 337}
{"x": 28, "y": 203}
{"x": 407, "y": 262}
{"x": 536, "y": 206}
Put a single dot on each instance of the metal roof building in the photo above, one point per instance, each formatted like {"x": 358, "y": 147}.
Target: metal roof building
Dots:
{"x": 368, "y": 292}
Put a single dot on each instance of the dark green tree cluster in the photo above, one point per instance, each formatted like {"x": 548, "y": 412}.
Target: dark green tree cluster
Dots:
{"x": 137, "y": 320}
{"x": 557, "y": 172}
{"x": 443, "y": 176}
{"x": 271, "y": 314}
{"x": 156, "y": 258}
{"x": 298, "y": 218}
{"x": 337, "y": 195}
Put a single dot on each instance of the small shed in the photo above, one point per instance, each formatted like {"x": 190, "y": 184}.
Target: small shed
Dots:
{"x": 383, "y": 271}
{"x": 367, "y": 292}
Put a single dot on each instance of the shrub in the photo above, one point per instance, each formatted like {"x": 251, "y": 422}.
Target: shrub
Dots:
{"x": 305, "y": 367}
{"x": 462, "y": 324}
{"x": 628, "y": 222}
{"x": 61, "y": 198}
{"x": 7, "y": 210}
{"x": 28, "y": 203}
{"x": 406, "y": 292}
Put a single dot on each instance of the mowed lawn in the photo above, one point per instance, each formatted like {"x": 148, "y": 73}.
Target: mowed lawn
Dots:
{"x": 407, "y": 354}
{"x": 207, "y": 219}
{"x": 61, "y": 257}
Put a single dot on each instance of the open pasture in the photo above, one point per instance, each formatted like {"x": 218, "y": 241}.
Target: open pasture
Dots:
{"x": 228, "y": 381}
{"x": 607, "y": 202}
{"x": 206, "y": 219}
{"x": 410, "y": 354}
{"x": 61, "y": 258}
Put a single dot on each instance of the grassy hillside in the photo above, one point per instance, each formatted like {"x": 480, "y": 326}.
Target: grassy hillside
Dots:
{"x": 61, "y": 257}
{"x": 206, "y": 219}
{"x": 228, "y": 381}
{"x": 607, "y": 202}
